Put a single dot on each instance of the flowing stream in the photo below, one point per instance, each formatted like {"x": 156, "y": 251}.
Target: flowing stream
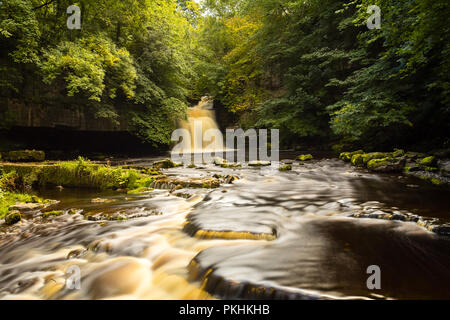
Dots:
{"x": 270, "y": 234}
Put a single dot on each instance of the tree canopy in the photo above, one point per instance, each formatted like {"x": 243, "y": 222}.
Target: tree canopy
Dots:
{"x": 310, "y": 68}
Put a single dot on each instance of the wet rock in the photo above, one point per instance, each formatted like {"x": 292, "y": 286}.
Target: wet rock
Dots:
{"x": 225, "y": 164}
{"x": 428, "y": 162}
{"x": 101, "y": 200}
{"x": 398, "y": 153}
{"x": 362, "y": 160}
{"x": 386, "y": 165}
{"x": 411, "y": 167}
{"x": 170, "y": 183}
{"x": 305, "y": 157}
{"x": 12, "y": 218}
{"x": 443, "y": 230}
{"x": 286, "y": 167}
{"x": 430, "y": 177}
{"x": 259, "y": 163}
{"x": 183, "y": 195}
{"x": 347, "y": 156}
{"x": 219, "y": 161}
{"x": 51, "y": 214}
{"x": 444, "y": 166}
{"x": 398, "y": 216}
{"x": 229, "y": 179}
{"x": 74, "y": 211}
{"x": 77, "y": 253}
{"x": 106, "y": 217}
{"x": 27, "y": 207}
{"x": 166, "y": 164}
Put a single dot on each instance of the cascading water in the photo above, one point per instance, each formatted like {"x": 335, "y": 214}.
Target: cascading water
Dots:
{"x": 201, "y": 118}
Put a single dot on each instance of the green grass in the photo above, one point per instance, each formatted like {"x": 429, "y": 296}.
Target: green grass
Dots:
{"x": 17, "y": 178}
{"x": 8, "y": 199}
{"x": 78, "y": 174}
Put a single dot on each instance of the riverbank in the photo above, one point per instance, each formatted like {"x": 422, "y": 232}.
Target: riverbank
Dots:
{"x": 432, "y": 168}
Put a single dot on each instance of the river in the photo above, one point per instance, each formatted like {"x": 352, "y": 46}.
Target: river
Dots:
{"x": 270, "y": 234}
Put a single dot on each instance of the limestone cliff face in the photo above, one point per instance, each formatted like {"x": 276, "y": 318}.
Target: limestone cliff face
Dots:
{"x": 53, "y": 116}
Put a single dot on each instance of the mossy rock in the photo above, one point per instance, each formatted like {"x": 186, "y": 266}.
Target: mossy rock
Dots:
{"x": 140, "y": 190}
{"x": 305, "y": 157}
{"x": 166, "y": 164}
{"x": 428, "y": 162}
{"x": 374, "y": 155}
{"x": 12, "y": 218}
{"x": 26, "y": 156}
{"x": 347, "y": 156}
{"x": 357, "y": 160}
{"x": 437, "y": 181}
{"x": 51, "y": 214}
{"x": 398, "y": 153}
{"x": 386, "y": 165}
{"x": 259, "y": 163}
{"x": 231, "y": 165}
{"x": 192, "y": 166}
{"x": 286, "y": 167}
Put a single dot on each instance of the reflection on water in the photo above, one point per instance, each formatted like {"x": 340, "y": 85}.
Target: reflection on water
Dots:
{"x": 317, "y": 250}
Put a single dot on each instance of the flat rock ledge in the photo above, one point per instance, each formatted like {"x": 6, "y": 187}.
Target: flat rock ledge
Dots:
{"x": 221, "y": 287}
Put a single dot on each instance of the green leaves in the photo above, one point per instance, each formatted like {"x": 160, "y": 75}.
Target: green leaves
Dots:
{"x": 85, "y": 63}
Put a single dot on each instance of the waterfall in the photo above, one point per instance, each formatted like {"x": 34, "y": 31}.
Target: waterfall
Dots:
{"x": 202, "y": 118}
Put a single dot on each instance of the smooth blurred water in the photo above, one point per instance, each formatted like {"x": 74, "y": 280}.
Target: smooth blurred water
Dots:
{"x": 319, "y": 251}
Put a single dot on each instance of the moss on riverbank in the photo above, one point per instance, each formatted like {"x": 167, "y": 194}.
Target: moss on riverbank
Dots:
{"x": 414, "y": 164}
{"x": 79, "y": 174}
{"x": 17, "y": 179}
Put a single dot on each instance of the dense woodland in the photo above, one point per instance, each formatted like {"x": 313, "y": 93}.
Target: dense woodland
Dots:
{"x": 310, "y": 68}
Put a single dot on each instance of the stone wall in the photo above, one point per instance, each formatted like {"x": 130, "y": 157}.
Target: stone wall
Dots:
{"x": 52, "y": 116}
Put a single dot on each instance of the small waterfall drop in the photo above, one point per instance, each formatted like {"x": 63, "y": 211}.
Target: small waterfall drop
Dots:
{"x": 204, "y": 115}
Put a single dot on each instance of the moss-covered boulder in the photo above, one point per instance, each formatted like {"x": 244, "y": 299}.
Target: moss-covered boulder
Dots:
{"x": 173, "y": 183}
{"x": 398, "y": 153}
{"x": 386, "y": 165}
{"x": 347, "y": 156}
{"x": 12, "y": 218}
{"x": 51, "y": 214}
{"x": 305, "y": 157}
{"x": 26, "y": 156}
{"x": 166, "y": 164}
{"x": 286, "y": 167}
{"x": 428, "y": 162}
{"x": 357, "y": 160}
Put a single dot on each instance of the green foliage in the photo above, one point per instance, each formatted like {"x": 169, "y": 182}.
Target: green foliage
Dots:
{"x": 309, "y": 68}
{"x": 9, "y": 194}
{"x": 130, "y": 60}
{"x": 90, "y": 65}
{"x": 313, "y": 69}
{"x": 80, "y": 173}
